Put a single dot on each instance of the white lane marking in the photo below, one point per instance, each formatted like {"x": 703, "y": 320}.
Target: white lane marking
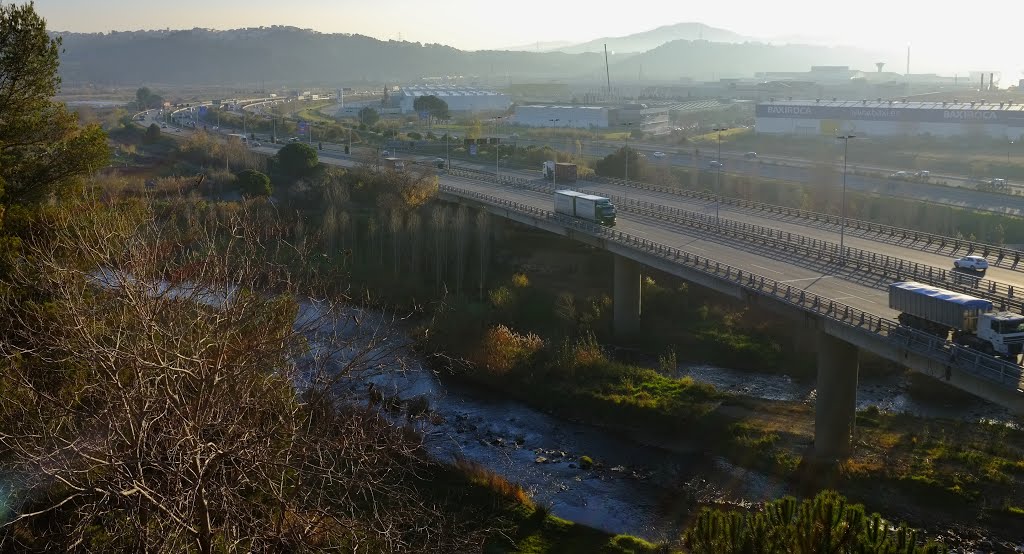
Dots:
{"x": 854, "y": 296}
{"x": 807, "y": 279}
{"x": 766, "y": 268}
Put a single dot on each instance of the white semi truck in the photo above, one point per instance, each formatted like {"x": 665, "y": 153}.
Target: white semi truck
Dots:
{"x": 585, "y": 206}
{"x": 971, "y": 320}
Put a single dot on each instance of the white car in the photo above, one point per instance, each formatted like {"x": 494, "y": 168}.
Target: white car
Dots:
{"x": 659, "y": 154}
{"x": 715, "y": 164}
{"x": 976, "y": 263}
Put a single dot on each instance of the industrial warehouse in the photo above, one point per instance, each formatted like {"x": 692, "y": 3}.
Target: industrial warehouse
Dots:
{"x": 891, "y": 118}
{"x": 458, "y": 98}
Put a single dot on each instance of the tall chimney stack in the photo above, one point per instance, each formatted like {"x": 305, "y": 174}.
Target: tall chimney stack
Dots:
{"x": 982, "y": 87}
{"x": 991, "y": 81}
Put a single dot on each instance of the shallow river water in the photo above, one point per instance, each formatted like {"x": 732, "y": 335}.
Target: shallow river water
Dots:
{"x": 637, "y": 489}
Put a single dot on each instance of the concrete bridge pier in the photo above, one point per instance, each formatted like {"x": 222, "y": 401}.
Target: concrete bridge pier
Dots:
{"x": 836, "y": 405}
{"x": 626, "y": 300}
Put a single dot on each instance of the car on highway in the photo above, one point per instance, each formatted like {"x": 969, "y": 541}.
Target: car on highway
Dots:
{"x": 439, "y": 163}
{"x": 750, "y": 155}
{"x": 385, "y": 153}
{"x": 256, "y": 144}
{"x": 659, "y": 154}
{"x": 715, "y": 164}
{"x": 293, "y": 139}
{"x": 898, "y": 175}
{"x": 976, "y": 263}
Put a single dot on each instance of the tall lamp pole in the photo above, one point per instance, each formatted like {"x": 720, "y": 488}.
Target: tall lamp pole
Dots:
{"x": 718, "y": 173}
{"x": 496, "y": 150}
{"x": 626, "y": 154}
{"x": 842, "y": 217}
{"x": 554, "y": 176}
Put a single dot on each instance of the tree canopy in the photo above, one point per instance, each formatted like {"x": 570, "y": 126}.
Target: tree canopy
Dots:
{"x": 368, "y": 116}
{"x": 434, "y": 106}
{"x": 254, "y": 183}
{"x": 42, "y": 147}
{"x": 146, "y": 99}
{"x": 296, "y": 160}
{"x": 615, "y": 165}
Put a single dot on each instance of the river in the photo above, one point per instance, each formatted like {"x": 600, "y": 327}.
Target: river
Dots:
{"x": 635, "y": 488}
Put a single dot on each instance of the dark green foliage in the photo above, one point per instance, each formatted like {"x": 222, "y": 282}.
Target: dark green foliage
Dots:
{"x": 368, "y": 116}
{"x": 254, "y": 183}
{"x": 615, "y": 165}
{"x": 434, "y": 106}
{"x": 296, "y": 160}
{"x": 145, "y": 99}
{"x": 825, "y": 524}
{"x": 152, "y": 133}
{"x": 42, "y": 148}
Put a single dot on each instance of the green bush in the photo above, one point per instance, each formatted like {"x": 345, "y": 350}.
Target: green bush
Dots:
{"x": 253, "y": 183}
{"x": 826, "y": 523}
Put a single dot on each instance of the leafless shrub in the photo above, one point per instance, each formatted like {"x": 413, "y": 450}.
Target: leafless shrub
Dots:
{"x": 165, "y": 389}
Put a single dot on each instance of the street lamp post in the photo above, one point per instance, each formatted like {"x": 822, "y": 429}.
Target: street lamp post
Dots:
{"x": 842, "y": 217}
{"x": 496, "y": 149}
{"x": 718, "y": 173}
{"x": 554, "y": 177}
{"x": 1008, "y": 152}
{"x": 625, "y": 152}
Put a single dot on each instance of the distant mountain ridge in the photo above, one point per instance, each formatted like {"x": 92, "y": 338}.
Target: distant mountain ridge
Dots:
{"x": 288, "y": 55}
{"x": 649, "y": 40}
{"x": 715, "y": 60}
{"x": 300, "y": 57}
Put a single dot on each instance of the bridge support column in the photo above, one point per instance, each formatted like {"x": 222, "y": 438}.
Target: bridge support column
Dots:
{"x": 626, "y": 303}
{"x": 836, "y": 405}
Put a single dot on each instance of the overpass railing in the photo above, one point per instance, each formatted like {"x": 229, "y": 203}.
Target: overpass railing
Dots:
{"x": 933, "y": 347}
{"x": 997, "y": 255}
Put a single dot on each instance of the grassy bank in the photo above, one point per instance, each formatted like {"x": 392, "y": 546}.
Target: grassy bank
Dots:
{"x": 519, "y": 525}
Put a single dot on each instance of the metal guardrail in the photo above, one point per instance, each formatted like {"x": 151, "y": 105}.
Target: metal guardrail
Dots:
{"x": 931, "y": 346}
{"x": 1003, "y": 296}
{"x": 997, "y": 255}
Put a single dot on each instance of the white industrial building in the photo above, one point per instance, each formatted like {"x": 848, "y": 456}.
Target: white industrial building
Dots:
{"x": 890, "y": 118}
{"x": 580, "y": 117}
{"x": 459, "y": 98}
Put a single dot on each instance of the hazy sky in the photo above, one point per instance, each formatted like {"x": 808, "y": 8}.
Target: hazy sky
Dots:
{"x": 958, "y": 36}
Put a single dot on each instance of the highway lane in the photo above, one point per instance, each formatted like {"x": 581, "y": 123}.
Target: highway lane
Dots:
{"x": 805, "y": 228}
{"x": 797, "y": 227}
{"x": 686, "y": 156}
{"x": 863, "y": 292}
{"x": 667, "y": 232}
{"x": 802, "y": 227}
{"x": 866, "y": 294}
{"x": 929, "y": 192}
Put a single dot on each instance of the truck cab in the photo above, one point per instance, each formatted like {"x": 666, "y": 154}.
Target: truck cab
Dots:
{"x": 1004, "y": 331}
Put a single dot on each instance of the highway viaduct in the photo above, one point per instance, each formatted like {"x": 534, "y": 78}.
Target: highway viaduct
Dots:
{"x": 841, "y": 331}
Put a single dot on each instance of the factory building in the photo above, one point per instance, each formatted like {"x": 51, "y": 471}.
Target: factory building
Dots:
{"x": 891, "y": 118}
{"x": 459, "y": 98}
{"x": 649, "y": 119}
{"x": 578, "y": 117}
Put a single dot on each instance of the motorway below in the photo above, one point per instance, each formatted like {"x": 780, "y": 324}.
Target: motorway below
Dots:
{"x": 867, "y": 293}
{"x": 861, "y": 291}
{"x": 798, "y": 227}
